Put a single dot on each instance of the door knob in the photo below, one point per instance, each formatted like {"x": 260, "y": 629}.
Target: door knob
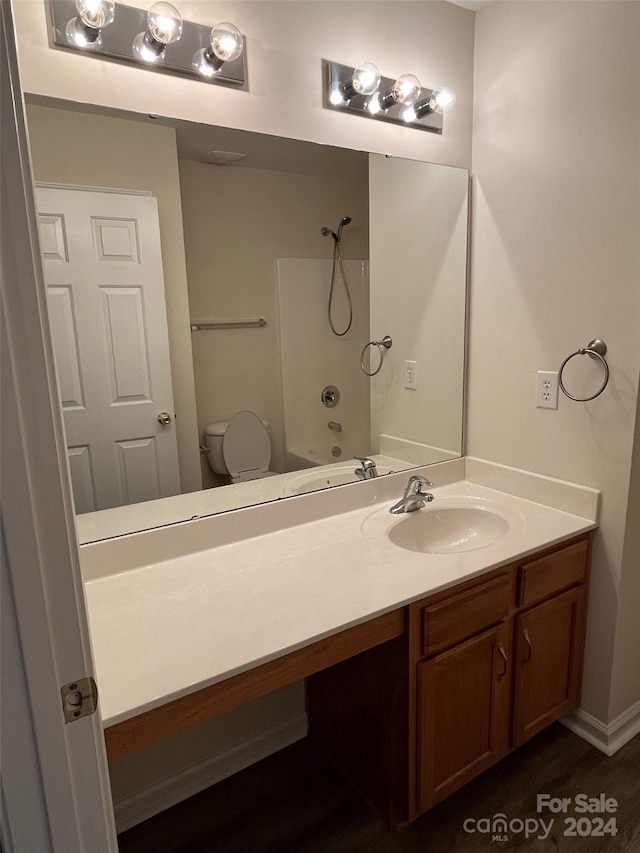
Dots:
{"x": 164, "y": 418}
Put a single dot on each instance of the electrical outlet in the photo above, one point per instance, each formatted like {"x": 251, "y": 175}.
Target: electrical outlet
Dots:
{"x": 547, "y": 389}
{"x": 411, "y": 375}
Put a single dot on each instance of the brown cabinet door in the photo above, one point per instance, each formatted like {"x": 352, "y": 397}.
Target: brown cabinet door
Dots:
{"x": 548, "y": 651}
{"x": 463, "y": 714}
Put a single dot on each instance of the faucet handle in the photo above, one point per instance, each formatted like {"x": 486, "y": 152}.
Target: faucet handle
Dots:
{"x": 365, "y": 462}
{"x": 416, "y": 481}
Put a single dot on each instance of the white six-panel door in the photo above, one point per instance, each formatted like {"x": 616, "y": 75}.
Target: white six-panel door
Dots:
{"x": 103, "y": 270}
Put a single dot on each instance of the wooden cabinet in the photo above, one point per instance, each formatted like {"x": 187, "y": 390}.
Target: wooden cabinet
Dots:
{"x": 495, "y": 660}
{"x": 481, "y": 668}
{"x": 463, "y": 708}
{"x": 548, "y": 656}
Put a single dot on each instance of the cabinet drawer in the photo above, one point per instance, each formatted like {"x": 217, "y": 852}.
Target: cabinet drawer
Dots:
{"x": 463, "y": 615}
{"x": 545, "y": 576}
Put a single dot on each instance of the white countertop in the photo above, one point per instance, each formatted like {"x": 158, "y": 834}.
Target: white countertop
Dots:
{"x": 164, "y": 630}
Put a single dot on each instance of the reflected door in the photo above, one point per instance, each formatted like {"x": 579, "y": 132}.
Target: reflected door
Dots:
{"x": 103, "y": 271}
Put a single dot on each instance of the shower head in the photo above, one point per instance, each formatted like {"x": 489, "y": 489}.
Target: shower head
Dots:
{"x": 337, "y": 237}
{"x": 344, "y": 221}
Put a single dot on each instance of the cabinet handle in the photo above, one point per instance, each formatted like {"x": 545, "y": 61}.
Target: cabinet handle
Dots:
{"x": 525, "y": 634}
{"x": 506, "y": 662}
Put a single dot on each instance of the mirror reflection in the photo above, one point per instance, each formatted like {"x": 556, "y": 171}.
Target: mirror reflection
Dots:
{"x": 218, "y": 302}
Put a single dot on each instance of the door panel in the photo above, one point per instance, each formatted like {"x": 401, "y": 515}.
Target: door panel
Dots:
{"x": 102, "y": 262}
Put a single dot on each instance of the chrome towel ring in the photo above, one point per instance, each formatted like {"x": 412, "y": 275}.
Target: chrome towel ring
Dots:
{"x": 382, "y": 345}
{"x": 595, "y": 349}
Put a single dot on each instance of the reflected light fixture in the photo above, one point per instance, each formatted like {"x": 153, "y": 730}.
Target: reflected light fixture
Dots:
{"x": 225, "y": 45}
{"x": 441, "y": 100}
{"x": 364, "y": 80}
{"x": 164, "y": 27}
{"x": 85, "y": 30}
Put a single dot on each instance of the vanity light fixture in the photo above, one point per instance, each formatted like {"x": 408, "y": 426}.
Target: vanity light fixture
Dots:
{"x": 164, "y": 27}
{"x": 225, "y": 45}
{"x": 401, "y": 100}
{"x": 157, "y": 40}
{"x": 84, "y": 30}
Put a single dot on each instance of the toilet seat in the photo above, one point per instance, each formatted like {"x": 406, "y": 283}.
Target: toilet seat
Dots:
{"x": 246, "y": 446}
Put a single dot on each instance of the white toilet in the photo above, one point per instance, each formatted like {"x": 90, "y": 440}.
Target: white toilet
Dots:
{"x": 240, "y": 447}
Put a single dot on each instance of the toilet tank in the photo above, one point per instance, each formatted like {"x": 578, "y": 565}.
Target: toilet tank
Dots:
{"x": 214, "y": 436}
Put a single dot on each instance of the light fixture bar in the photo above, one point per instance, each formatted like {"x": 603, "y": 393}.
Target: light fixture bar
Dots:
{"x": 116, "y": 43}
{"x": 334, "y": 75}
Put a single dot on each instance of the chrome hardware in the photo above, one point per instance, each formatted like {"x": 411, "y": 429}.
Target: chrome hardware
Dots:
{"x": 205, "y": 325}
{"x": 368, "y": 470}
{"x": 336, "y": 451}
{"x": 164, "y": 418}
{"x": 595, "y": 349}
{"x": 79, "y": 699}
{"x": 528, "y": 642}
{"x": 335, "y": 426}
{"x": 414, "y": 497}
{"x": 506, "y": 662}
{"x": 330, "y": 396}
{"x": 382, "y": 345}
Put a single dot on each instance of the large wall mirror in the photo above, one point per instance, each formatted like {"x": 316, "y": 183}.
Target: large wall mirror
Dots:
{"x": 218, "y": 299}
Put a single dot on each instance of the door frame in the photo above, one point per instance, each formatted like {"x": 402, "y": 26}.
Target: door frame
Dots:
{"x": 68, "y": 801}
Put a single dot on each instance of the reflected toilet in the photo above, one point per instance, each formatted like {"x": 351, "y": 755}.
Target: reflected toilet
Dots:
{"x": 240, "y": 447}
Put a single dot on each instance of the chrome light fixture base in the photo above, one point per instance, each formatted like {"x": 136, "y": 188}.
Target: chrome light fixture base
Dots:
{"x": 115, "y": 42}
{"x": 334, "y": 75}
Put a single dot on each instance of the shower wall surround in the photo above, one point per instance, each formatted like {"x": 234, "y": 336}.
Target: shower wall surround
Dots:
{"x": 313, "y": 357}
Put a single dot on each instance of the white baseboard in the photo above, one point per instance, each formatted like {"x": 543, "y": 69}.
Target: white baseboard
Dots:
{"x": 607, "y": 737}
{"x": 173, "y": 789}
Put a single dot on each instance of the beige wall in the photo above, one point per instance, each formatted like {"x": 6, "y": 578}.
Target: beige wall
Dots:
{"x": 555, "y": 264}
{"x": 285, "y": 45}
{"x": 73, "y": 148}
{"x": 626, "y": 667}
{"x": 238, "y": 221}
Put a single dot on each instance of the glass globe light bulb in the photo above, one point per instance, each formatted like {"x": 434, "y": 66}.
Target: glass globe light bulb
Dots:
{"x": 164, "y": 26}
{"x": 226, "y": 42}
{"x": 96, "y": 14}
{"x": 93, "y": 16}
{"x": 164, "y": 23}
{"x": 225, "y": 45}
{"x": 406, "y": 89}
{"x": 365, "y": 78}
{"x": 442, "y": 99}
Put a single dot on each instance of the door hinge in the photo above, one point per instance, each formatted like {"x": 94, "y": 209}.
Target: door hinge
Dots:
{"x": 79, "y": 699}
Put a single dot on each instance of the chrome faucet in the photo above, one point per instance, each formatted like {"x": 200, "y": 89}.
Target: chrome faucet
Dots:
{"x": 414, "y": 497}
{"x": 368, "y": 470}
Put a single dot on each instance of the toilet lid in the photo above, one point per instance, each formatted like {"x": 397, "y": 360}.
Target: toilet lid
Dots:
{"x": 246, "y": 445}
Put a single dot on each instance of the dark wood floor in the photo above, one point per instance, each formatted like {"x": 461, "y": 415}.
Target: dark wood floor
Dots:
{"x": 297, "y": 802}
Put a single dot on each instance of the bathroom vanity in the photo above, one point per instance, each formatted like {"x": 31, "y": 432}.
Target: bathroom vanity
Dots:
{"x": 426, "y": 662}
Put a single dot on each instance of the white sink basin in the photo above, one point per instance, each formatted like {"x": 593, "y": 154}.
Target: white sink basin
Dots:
{"x": 451, "y": 528}
{"x": 313, "y": 481}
